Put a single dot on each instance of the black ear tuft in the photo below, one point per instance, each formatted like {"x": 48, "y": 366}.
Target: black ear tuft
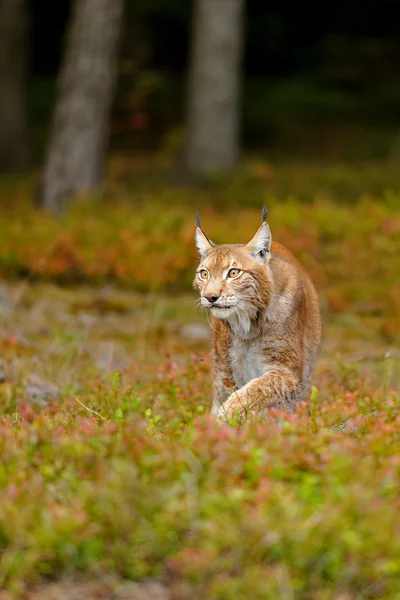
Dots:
{"x": 198, "y": 220}
{"x": 264, "y": 214}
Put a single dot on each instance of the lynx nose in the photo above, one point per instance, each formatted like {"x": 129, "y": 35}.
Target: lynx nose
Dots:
{"x": 211, "y": 297}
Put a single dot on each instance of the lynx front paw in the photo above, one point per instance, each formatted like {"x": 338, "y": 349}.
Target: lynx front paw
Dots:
{"x": 233, "y": 407}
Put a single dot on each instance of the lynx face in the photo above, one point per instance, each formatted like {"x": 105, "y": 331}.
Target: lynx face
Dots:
{"x": 233, "y": 280}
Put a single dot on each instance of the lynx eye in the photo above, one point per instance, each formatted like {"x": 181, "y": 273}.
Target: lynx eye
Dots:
{"x": 233, "y": 273}
{"x": 203, "y": 274}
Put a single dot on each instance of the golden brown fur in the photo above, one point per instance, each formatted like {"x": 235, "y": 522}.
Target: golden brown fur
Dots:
{"x": 266, "y": 324}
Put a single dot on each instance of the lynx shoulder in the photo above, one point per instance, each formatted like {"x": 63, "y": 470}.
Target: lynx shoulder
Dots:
{"x": 266, "y": 323}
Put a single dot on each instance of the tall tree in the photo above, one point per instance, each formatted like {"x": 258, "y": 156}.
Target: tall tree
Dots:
{"x": 14, "y": 138}
{"x": 212, "y": 128}
{"x": 76, "y": 154}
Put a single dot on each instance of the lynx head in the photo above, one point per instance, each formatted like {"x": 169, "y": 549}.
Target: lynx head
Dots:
{"x": 233, "y": 279}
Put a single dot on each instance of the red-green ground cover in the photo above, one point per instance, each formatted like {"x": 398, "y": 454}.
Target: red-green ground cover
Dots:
{"x": 109, "y": 463}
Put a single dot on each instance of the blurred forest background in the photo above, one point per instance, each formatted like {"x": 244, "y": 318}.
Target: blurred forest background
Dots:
{"x": 318, "y": 82}
{"x": 118, "y": 119}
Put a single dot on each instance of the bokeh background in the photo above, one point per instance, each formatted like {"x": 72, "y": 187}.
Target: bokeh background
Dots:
{"x": 118, "y": 120}
{"x": 318, "y": 81}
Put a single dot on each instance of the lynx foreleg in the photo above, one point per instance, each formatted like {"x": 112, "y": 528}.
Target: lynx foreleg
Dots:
{"x": 223, "y": 388}
{"x": 278, "y": 387}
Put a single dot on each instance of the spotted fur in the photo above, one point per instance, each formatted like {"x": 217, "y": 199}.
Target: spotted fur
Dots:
{"x": 265, "y": 320}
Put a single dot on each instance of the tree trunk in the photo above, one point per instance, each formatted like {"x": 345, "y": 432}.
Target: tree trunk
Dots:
{"x": 78, "y": 138}
{"x": 14, "y": 138}
{"x": 212, "y": 136}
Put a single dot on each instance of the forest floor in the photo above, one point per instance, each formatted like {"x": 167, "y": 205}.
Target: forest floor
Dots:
{"x": 116, "y": 483}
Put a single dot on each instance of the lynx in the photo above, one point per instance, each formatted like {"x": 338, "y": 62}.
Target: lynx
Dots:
{"x": 265, "y": 320}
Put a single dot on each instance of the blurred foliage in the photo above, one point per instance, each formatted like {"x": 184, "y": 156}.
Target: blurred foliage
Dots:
{"x": 329, "y": 91}
{"x": 293, "y": 117}
{"x": 140, "y": 234}
{"x": 296, "y": 117}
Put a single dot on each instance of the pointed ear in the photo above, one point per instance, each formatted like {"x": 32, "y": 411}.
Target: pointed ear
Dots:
{"x": 203, "y": 244}
{"x": 259, "y": 246}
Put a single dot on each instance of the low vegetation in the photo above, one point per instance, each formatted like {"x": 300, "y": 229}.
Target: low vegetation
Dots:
{"x": 111, "y": 466}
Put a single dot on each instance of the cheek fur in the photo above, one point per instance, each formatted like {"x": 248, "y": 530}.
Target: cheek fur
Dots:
{"x": 252, "y": 287}
{"x": 198, "y": 283}
{"x": 261, "y": 287}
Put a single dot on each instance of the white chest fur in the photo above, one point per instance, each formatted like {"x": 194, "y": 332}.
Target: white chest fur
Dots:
{"x": 246, "y": 361}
